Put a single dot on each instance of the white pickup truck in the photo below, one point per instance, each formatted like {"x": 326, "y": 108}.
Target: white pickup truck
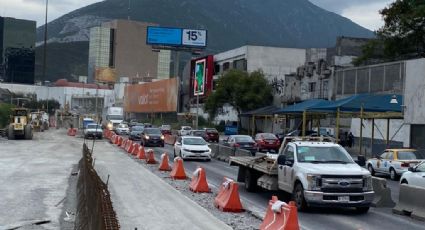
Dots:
{"x": 315, "y": 173}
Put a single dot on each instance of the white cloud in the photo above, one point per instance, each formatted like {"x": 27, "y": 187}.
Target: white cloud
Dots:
{"x": 366, "y": 15}
{"x": 35, "y": 9}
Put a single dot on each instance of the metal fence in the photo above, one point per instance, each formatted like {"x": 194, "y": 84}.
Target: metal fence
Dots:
{"x": 387, "y": 77}
{"x": 94, "y": 208}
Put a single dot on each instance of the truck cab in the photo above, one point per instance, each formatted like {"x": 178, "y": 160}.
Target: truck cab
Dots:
{"x": 323, "y": 174}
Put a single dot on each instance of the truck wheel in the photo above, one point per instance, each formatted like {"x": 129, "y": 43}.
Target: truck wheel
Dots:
{"x": 10, "y": 133}
{"x": 298, "y": 197}
{"x": 362, "y": 210}
{"x": 370, "y": 168}
{"x": 28, "y": 132}
{"x": 250, "y": 180}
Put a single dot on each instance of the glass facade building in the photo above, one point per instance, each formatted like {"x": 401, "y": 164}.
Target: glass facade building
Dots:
{"x": 17, "y": 44}
{"x": 164, "y": 61}
{"x": 100, "y": 50}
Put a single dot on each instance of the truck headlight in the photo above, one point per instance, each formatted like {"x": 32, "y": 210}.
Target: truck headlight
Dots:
{"x": 314, "y": 182}
{"x": 109, "y": 126}
{"x": 162, "y": 137}
{"x": 367, "y": 183}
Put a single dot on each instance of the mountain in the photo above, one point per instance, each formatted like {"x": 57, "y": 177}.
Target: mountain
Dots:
{"x": 230, "y": 23}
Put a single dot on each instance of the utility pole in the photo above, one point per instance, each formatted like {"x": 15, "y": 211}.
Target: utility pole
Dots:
{"x": 45, "y": 54}
{"x": 128, "y": 12}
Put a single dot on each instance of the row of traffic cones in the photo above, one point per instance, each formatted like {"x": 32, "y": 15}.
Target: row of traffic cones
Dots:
{"x": 279, "y": 215}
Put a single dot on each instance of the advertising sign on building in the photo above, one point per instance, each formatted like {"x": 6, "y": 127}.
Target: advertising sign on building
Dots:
{"x": 176, "y": 37}
{"x": 199, "y": 81}
{"x": 202, "y": 71}
{"x": 153, "y": 97}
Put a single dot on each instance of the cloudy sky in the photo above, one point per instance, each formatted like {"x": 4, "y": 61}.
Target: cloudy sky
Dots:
{"x": 363, "y": 12}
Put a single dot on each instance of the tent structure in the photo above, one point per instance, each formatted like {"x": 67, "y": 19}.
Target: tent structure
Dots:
{"x": 302, "y": 106}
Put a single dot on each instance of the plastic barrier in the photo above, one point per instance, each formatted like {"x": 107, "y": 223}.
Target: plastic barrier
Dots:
{"x": 280, "y": 215}
{"x": 141, "y": 153}
{"x": 411, "y": 202}
{"x": 72, "y": 131}
{"x": 169, "y": 139}
{"x": 124, "y": 143}
{"x": 227, "y": 199}
{"x": 119, "y": 141}
{"x": 164, "y": 166}
{"x": 136, "y": 147}
{"x": 199, "y": 181}
{"x": 130, "y": 147}
{"x": 150, "y": 157}
{"x": 178, "y": 173}
{"x": 382, "y": 193}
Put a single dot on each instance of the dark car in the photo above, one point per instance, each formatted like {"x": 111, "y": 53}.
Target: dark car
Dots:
{"x": 197, "y": 133}
{"x": 136, "y": 132}
{"x": 243, "y": 142}
{"x": 211, "y": 135}
{"x": 152, "y": 137}
{"x": 267, "y": 141}
{"x": 166, "y": 129}
{"x": 148, "y": 125}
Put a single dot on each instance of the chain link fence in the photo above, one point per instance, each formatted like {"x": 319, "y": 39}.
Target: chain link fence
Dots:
{"x": 94, "y": 208}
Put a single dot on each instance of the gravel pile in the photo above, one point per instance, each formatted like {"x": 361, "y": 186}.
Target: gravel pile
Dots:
{"x": 237, "y": 221}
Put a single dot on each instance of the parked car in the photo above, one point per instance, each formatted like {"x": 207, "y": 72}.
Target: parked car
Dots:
{"x": 93, "y": 130}
{"x": 122, "y": 129}
{"x": 394, "y": 162}
{"x": 152, "y": 137}
{"x": 211, "y": 135}
{"x": 197, "y": 133}
{"x": 414, "y": 176}
{"x": 267, "y": 141}
{"x": 191, "y": 147}
{"x": 184, "y": 130}
{"x": 136, "y": 133}
{"x": 243, "y": 142}
{"x": 166, "y": 129}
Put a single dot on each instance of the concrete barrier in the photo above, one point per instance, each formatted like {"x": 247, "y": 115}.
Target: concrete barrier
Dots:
{"x": 214, "y": 150}
{"x": 411, "y": 202}
{"x": 224, "y": 152}
{"x": 242, "y": 153}
{"x": 382, "y": 193}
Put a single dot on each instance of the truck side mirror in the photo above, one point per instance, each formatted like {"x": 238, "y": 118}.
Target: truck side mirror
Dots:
{"x": 281, "y": 159}
{"x": 361, "y": 160}
{"x": 411, "y": 169}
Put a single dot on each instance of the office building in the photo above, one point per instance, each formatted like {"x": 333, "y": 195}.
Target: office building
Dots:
{"x": 17, "y": 56}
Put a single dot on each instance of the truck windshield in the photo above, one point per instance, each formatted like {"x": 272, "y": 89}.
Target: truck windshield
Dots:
{"x": 114, "y": 117}
{"x": 309, "y": 154}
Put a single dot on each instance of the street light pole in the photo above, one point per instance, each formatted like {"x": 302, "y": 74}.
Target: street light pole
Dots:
{"x": 197, "y": 107}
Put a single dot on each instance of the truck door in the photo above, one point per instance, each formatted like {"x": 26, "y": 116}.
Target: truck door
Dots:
{"x": 285, "y": 171}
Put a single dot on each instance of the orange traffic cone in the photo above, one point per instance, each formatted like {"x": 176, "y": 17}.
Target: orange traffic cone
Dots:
{"x": 129, "y": 145}
{"x": 164, "y": 166}
{"x": 178, "y": 172}
{"x": 135, "y": 149}
{"x": 280, "y": 215}
{"x": 150, "y": 157}
{"x": 199, "y": 181}
{"x": 141, "y": 154}
{"x": 227, "y": 199}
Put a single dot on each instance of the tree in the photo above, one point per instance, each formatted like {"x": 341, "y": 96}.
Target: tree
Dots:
{"x": 403, "y": 33}
{"x": 241, "y": 90}
{"x": 5, "y": 111}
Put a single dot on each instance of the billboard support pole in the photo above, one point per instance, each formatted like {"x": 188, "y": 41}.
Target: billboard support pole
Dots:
{"x": 197, "y": 109}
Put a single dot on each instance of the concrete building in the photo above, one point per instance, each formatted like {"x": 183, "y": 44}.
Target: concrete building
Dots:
{"x": 275, "y": 62}
{"x": 17, "y": 56}
{"x": 121, "y": 45}
{"x": 316, "y": 77}
{"x": 79, "y": 96}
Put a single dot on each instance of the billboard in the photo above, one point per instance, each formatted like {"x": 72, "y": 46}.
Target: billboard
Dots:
{"x": 153, "y": 97}
{"x": 199, "y": 81}
{"x": 105, "y": 74}
{"x": 202, "y": 71}
{"x": 176, "y": 37}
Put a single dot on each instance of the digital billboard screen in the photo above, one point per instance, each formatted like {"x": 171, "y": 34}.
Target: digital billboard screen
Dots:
{"x": 164, "y": 36}
{"x": 199, "y": 82}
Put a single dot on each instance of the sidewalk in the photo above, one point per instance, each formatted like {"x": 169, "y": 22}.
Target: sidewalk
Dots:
{"x": 144, "y": 201}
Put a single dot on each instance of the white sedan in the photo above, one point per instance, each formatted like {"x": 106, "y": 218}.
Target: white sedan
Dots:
{"x": 190, "y": 147}
{"x": 123, "y": 129}
{"x": 415, "y": 176}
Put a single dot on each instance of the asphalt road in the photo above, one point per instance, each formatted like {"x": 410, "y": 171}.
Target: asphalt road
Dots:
{"x": 376, "y": 218}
